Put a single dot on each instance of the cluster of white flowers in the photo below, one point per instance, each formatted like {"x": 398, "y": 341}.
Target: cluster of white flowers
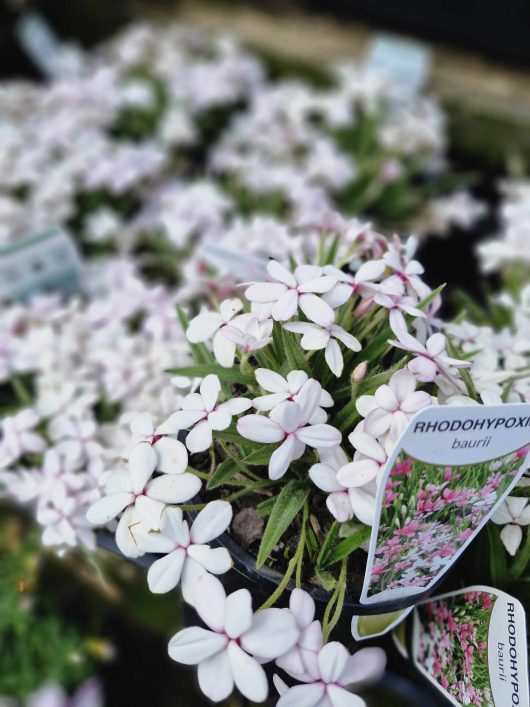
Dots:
{"x": 510, "y": 247}
{"x": 78, "y": 359}
{"x": 237, "y": 642}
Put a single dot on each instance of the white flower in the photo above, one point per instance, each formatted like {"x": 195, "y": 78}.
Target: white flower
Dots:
{"x": 299, "y": 661}
{"x": 291, "y": 291}
{"x": 288, "y": 388}
{"x": 19, "y": 437}
{"x": 315, "y": 337}
{"x": 513, "y": 513}
{"x": 74, "y": 437}
{"x": 236, "y": 641}
{"x": 201, "y": 411}
{"x": 350, "y": 485}
{"x": 187, "y": 556}
{"x": 430, "y": 359}
{"x": 141, "y": 498}
{"x": 390, "y": 409}
{"x": 210, "y": 324}
{"x": 336, "y": 673}
{"x": 172, "y": 457}
{"x": 349, "y": 285}
{"x": 289, "y": 424}
{"x": 398, "y": 258}
{"x": 392, "y": 296}
{"x": 249, "y": 335}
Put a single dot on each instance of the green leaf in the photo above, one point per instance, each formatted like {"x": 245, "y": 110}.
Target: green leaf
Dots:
{"x": 430, "y": 298}
{"x": 326, "y": 545}
{"x": 261, "y": 456}
{"x": 223, "y": 473}
{"x": 225, "y": 375}
{"x": 326, "y": 579}
{"x": 199, "y": 351}
{"x": 498, "y": 563}
{"x": 288, "y": 503}
{"x": 264, "y": 508}
{"x": 293, "y": 352}
{"x": 346, "y": 547}
{"x": 522, "y": 560}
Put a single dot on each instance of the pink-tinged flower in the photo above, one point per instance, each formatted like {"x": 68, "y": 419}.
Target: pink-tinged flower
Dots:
{"x": 187, "y": 554}
{"x": 392, "y": 296}
{"x": 236, "y": 641}
{"x": 349, "y": 285}
{"x": 19, "y": 437}
{"x": 172, "y": 455}
{"x": 141, "y": 498}
{"x": 210, "y": 324}
{"x": 390, "y": 409}
{"x": 315, "y": 337}
{"x": 300, "y": 661}
{"x": 349, "y": 493}
{"x": 249, "y": 335}
{"x": 290, "y": 291}
{"x": 89, "y": 694}
{"x": 336, "y": 674}
{"x": 201, "y": 411}
{"x": 430, "y": 359}
{"x": 289, "y": 388}
{"x": 398, "y": 258}
{"x": 289, "y": 424}
{"x": 514, "y": 514}
{"x": 369, "y": 458}
{"x": 75, "y": 437}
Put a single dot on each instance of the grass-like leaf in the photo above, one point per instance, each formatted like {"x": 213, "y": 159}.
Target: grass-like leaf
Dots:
{"x": 288, "y": 504}
{"x": 346, "y": 547}
{"x": 225, "y": 375}
{"x": 223, "y": 473}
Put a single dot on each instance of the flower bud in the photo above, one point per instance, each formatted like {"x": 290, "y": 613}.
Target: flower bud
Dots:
{"x": 359, "y": 372}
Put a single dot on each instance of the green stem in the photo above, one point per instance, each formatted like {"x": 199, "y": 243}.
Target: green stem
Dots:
{"x": 341, "y": 593}
{"x": 295, "y": 563}
{"x": 192, "y": 506}
{"x": 22, "y": 393}
{"x": 522, "y": 559}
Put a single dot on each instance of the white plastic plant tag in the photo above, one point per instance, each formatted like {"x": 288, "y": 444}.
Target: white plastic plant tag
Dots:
{"x": 471, "y": 644}
{"x": 42, "y": 263}
{"x": 228, "y": 261}
{"x": 448, "y": 473}
{"x": 405, "y": 63}
{"x": 372, "y": 626}
{"x": 52, "y": 56}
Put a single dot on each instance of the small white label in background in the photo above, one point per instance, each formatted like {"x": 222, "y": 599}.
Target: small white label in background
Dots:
{"x": 405, "y": 63}
{"x": 42, "y": 263}
{"x": 447, "y": 475}
{"x": 227, "y": 261}
{"x": 471, "y": 644}
{"x": 53, "y": 57}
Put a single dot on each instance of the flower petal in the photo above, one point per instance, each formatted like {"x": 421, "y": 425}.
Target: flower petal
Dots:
{"x": 511, "y": 536}
{"x": 367, "y": 665}
{"x": 203, "y": 326}
{"x": 210, "y": 388}
{"x": 238, "y": 613}
{"x": 271, "y": 381}
{"x": 339, "y": 506}
{"x": 215, "y": 676}
{"x": 260, "y": 429}
{"x": 216, "y": 560}
{"x": 195, "y": 644}
{"x": 339, "y": 697}
{"x": 164, "y": 574}
{"x": 280, "y": 273}
{"x": 332, "y": 660}
{"x": 219, "y": 419}
{"x": 302, "y": 696}
{"x": 358, "y": 473}
{"x": 174, "y": 488}
{"x": 224, "y": 349}
{"x": 108, "y": 507}
{"x": 210, "y": 600}
{"x": 213, "y": 520}
{"x": 302, "y": 606}
{"x": 142, "y": 463}
{"x": 263, "y": 292}
{"x": 324, "y": 477}
{"x": 125, "y": 539}
{"x": 191, "y": 574}
{"x": 333, "y": 356}
{"x": 249, "y": 676}
{"x": 319, "y": 436}
{"x": 172, "y": 456}
{"x": 199, "y": 439}
{"x": 286, "y": 306}
{"x": 282, "y": 457}
{"x": 273, "y": 633}
{"x": 316, "y": 310}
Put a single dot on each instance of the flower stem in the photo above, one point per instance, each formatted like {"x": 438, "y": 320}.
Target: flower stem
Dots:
{"x": 295, "y": 563}
{"x": 21, "y": 391}
{"x": 336, "y": 601}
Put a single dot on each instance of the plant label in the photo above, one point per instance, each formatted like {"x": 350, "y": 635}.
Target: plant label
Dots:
{"x": 42, "y": 263}
{"x": 471, "y": 645}
{"x": 405, "y": 63}
{"x": 448, "y": 473}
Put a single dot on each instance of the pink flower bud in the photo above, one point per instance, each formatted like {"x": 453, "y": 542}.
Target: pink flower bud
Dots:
{"x": 359, "y": 372}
